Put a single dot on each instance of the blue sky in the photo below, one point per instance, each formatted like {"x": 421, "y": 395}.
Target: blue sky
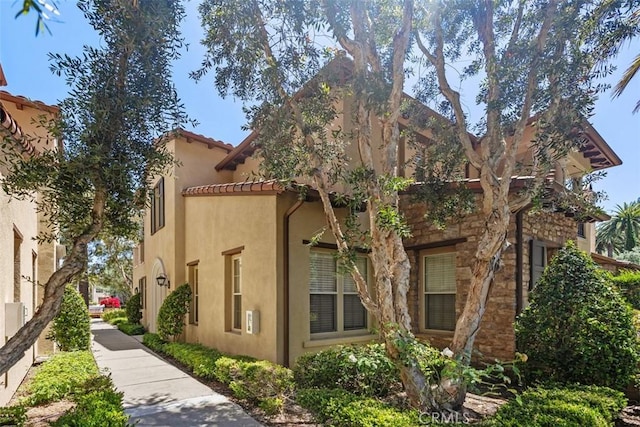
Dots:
{"x": 25, "y": 64}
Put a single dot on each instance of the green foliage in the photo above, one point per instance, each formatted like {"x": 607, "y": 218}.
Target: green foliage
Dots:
{"x": 71, "y": 329}
{"x": 98, "y": 405}
{"x": 628, "y": 282}
{"x": 365, "y": 370}
{"x": 260, "y": 381}
{"x": 198, "y": 358}
{"x": 134, "y": 309}
{"x": 13, "y": 416}
{"x": 346, "y": 409}
{"x": 154, "y": 342}
{"x": 577, "y": 328}
{"x": 131, "y": 328}
{"x": 61, "y": 376}
{"x": 172, "y": 312}
{"x": 115, "y": 313}
{"x": 111, "y": 263}
{"x": 574, "y": 406}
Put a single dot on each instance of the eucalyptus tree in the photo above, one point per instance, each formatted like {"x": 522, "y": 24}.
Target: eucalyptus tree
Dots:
{"x": 121, "y": 102}
{"x": 535, "y": 59}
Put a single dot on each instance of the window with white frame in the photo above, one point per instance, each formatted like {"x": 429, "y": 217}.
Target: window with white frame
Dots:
{"x": 440, "y": 291}
{"x": 236, "y": 292}
{"x": 195, "y": 291}
{"x": 335, "y": 305}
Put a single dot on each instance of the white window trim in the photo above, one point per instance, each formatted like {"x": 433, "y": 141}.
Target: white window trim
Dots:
{"x": 234, "y": 294}
{"x": 339, "y": 332}
{"x": 424, "y": 293}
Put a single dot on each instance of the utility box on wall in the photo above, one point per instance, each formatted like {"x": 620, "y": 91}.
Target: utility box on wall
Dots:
{"x": 253, "y": 321}
{"x": 14, "y": 313}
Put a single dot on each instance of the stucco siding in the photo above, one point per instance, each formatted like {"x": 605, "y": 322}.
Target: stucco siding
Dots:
{"x": 216, "y": 228}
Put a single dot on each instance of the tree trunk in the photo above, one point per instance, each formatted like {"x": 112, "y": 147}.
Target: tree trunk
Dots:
{"x": 74, "y": 264}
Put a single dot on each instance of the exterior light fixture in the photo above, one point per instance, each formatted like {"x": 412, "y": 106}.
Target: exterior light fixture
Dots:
{"x": 162, "y": 280}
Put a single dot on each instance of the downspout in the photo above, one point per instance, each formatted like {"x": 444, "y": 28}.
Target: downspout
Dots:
{"x": 285, "y": 281}
{"x": 519, "y": 261}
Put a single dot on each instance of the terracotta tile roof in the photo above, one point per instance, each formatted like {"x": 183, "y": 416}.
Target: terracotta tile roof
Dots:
{"x": 210, "y": 142}
{"x": 10, "y": 125}
{"x": 3, "y": 79}
{"x": 270, "y": 186}
{"x": 21, "y": 102}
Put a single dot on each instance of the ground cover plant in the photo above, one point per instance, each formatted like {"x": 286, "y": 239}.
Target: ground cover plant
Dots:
{"x": 74, "y": 377}
{"x": 60, "y": 377}
{"x": 573, "y": 406}
{"x": 261, "y": 382}
{"x": 577, "y": 328}
{"x": 108, "y": 316}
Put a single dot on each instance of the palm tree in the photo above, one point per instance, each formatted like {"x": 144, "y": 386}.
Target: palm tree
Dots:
{"x": 622, "y": 232}
{"x": 633, "y": 22}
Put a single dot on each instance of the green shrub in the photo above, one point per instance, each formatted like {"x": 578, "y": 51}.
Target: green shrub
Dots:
{"x": 131, "y": 328}
{"x": 172, "y": 312}
{"x": 628, "y": 282}
{"x": 134, "y": 309}
{"x": 342, "y": 408}
{"x": 574, "y": 406}
{"x": 61, "y": 376}
{"x": 365, "y": 370}
{"x": 118, "y": 321}
{"x": 108, "y": 316}
{"x": 198, "y": 358}
{"x": 260, "y": 381}
{"x": 71, "y": 329}
{"x": 13, "y": 416}
{"x": 98, "y": 405}
{"x": 577, "y": 328}
{"x": 154, "y": 342}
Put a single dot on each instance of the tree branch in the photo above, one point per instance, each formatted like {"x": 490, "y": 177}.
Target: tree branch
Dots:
{"x": 437, "y": 60}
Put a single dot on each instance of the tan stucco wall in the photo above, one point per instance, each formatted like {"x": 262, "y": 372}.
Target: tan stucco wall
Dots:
{"x": 305, "y": 223}
{"x": 19, "y": 216}
{"x": 164, "y": 250}
{"x": 217, "y": 224}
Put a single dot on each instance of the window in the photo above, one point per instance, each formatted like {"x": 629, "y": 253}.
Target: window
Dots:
{"x": 440, "y": 291}
{"x": 581, "y": 232}
{"x": 537, "y": 261}
{"x": 157, "y": 206}
{"x": 194, "y": 305}
{"x": 17, "y": 263}
{"x": 142, "y": 288}
{"x": 236, "y": 291}
{"x": 335, "y": 305}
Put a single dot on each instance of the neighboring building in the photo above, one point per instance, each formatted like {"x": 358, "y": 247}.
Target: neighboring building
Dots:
{"x": 260, "y": 289}
{"x": 24, "y": 263}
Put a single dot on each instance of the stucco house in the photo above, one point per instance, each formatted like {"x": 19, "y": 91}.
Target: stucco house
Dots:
{"x": 260, "y": 289}
{"x": 23, "y": 261}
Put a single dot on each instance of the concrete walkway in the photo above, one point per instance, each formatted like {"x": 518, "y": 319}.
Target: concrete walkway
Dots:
{"x": 157, "y": 393}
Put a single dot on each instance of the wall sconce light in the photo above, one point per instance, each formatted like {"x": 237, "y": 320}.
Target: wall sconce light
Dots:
{"x": 163, "y": 281}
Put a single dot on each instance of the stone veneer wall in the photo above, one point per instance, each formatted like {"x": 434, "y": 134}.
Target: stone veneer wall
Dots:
{"x": 496, "y": 338}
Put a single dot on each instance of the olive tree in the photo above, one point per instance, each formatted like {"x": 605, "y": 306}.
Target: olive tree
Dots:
{"x": 121, "y": 103}
{"x": 292, "y": 62}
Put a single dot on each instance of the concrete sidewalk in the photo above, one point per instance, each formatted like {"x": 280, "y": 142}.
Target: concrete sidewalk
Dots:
{"x": 157, "y": 393}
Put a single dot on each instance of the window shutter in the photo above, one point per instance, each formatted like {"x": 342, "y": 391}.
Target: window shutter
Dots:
{"x": 537, "y": 261}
